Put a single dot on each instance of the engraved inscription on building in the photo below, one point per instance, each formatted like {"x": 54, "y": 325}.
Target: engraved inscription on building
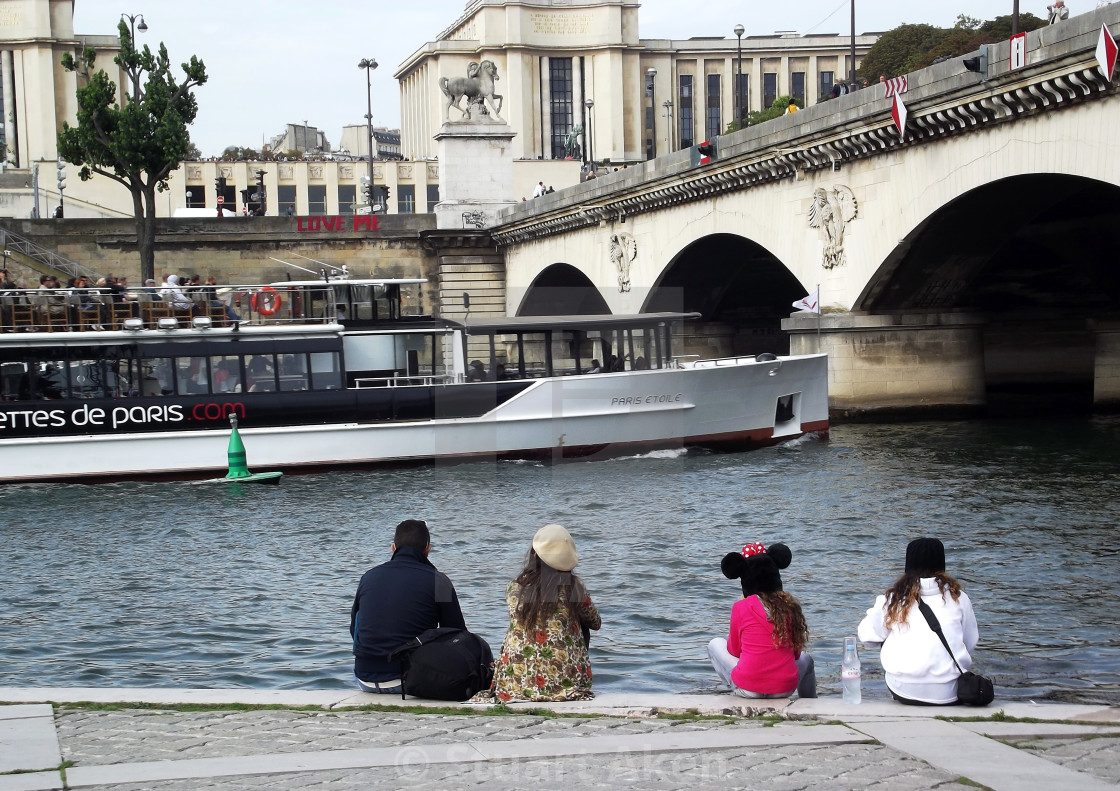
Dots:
{"x": 561, "y": 24}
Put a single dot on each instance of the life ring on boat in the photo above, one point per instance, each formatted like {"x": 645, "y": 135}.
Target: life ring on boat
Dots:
{"x": 266, "y": 301}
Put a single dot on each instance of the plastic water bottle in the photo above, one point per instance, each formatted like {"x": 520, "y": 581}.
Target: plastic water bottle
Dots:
{"x": 850, "y": 672}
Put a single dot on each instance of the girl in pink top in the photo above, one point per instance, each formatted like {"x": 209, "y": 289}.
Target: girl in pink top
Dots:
{"x": 763, "y": 655}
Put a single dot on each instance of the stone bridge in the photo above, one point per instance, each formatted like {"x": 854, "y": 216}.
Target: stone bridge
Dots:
{"x": 967, "y": 264}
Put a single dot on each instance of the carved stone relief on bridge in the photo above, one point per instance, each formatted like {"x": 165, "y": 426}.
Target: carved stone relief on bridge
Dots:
{"x": 287, "y": 172}
{"x": 315, "y": 171}
{"x": 194, "y": 172}
{"x": 433, "y": 171}
{"x": 623, "y": 251}
{"x": 226, "y": 172}
{"x": 404, "y": 171}
{"x": 830, "y": 212}
{"x": 346, "y": 171}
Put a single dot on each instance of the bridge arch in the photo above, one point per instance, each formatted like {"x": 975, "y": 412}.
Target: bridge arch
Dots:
{"x": 740, "y": 288}
{"x": 562, "y": 290}
{"x": 1033, "y": 256}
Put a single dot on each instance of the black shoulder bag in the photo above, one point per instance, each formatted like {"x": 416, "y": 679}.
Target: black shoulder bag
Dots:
{"x": 973, "y": 689}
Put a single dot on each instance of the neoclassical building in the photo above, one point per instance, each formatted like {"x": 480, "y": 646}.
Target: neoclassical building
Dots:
{"x": 561, "y": 64}
{"x": 583, "y": 62}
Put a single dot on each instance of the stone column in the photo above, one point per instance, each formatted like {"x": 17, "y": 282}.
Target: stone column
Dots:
{"x": 11, "y": 122}
{"x": 922, "y": 363}
{"x": 1106, "y": 368}
{"x": 475, "y": 173}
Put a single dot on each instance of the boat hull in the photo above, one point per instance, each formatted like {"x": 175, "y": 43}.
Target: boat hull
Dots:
{"x": 723, "y": 404}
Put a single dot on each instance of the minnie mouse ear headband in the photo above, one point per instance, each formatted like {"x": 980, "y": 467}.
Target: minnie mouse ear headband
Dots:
{"x": 757, "y": 568}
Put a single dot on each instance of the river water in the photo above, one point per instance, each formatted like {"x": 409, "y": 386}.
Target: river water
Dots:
{"x": 186, "y": 585}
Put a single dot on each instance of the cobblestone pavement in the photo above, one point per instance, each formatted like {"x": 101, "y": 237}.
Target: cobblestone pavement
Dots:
{"x": 1098, "y": 757}
{"x": 277, "y": 749}
{"x": 105, "y": 737}
{"x": 859, "y": 766}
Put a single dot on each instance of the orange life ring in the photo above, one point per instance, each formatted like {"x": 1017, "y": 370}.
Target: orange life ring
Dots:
{"x": 266, "y": 301}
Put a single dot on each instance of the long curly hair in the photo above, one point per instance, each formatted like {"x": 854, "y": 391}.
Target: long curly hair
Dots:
{"x": 542, "y": 588}
{"x": 784, "y": 612}
{"x": 907, "y": 590}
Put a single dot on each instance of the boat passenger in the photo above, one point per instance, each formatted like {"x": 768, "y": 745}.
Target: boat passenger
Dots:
{"x": 476, "y": 372}
{"x": 544, "y": 655}
{"x": 395, "y": 602}
{"x": 764, "y": 654}
{"x": 173, "y": 293}
{"x": 595, "y": 368}
{"x": 918, "y": 669}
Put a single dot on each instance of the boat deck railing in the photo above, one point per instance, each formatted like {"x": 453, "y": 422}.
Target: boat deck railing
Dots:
{"x": 404, "y": 380}
{"x": 95, "y": 309}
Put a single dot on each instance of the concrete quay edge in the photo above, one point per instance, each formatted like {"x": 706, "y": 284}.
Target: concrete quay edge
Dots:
{"x": 604, "y": 704}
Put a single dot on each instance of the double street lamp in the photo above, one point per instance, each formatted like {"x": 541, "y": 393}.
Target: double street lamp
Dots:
{"x": 132, "y": 28}
{"x": 739, "y": 30}
{"x": 369, "y": 64}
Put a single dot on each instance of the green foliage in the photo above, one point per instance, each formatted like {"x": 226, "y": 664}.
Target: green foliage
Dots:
{"x": 137, "y": 143}
{"x": 241, "y": 154}
{"x": 896, "y": 52}
{"x": 908, "y": 48}
{"x": 779, "y": 107}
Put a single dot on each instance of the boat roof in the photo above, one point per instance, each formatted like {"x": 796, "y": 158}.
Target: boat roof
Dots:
{"x": 352, "y": 281}
{"x": 583, "y": 322}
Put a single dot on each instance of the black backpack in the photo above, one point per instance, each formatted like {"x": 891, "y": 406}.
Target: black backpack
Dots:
{"x": 445, "y": 664}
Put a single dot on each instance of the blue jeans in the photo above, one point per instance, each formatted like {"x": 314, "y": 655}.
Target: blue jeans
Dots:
{"x": 378, "y": 687}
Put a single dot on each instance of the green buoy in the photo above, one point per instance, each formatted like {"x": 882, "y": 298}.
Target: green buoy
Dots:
{"x": 238, "y": 464}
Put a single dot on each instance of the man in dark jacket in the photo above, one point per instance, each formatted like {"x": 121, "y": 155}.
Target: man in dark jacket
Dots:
{"x": 395, "y": 602}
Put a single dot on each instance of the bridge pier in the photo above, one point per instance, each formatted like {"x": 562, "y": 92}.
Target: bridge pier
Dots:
{"x": 1106, "y": 368}
{"x": 920, "y": 364}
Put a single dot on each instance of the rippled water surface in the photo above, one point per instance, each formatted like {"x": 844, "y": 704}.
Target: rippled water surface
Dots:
{"x": 215, "y": 586}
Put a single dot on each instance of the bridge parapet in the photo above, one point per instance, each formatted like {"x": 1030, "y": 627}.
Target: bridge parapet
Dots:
{"x": 942, "y": 100}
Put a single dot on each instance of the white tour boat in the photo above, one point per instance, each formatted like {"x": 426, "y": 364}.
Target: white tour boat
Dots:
{"x": 328, "y": 375}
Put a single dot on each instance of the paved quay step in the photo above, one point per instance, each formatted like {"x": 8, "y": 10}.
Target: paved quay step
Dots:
{"x": 457, "y": 754}
{"x": 608, "y": 703}
{"x": 876, "y": 742}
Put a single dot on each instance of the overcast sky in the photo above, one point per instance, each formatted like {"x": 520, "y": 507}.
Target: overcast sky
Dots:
{"x": 289, "y": 61}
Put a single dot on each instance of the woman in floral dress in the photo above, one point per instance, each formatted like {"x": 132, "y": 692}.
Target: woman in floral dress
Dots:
{"x": 544, "y": 655}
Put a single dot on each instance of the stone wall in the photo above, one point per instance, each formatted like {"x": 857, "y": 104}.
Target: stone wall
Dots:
{"x": 242, "y": 249}
{"x": 905, "y": 364}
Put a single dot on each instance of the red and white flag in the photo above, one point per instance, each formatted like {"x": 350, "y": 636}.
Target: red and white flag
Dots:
{"x": 1106, "y": 52}
{"x": 811, "y": 303}
{"x": 898, "y": 113}
{"x": 894, "y": 86}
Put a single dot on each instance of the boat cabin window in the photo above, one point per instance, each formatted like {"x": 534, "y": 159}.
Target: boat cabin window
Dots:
{"x": 566, "y": 352}
{"x": 260, "y": 373}
{"x": 226, "y": 374}
{"x": 325, "y": 371}
{"x": 118, "y": 372}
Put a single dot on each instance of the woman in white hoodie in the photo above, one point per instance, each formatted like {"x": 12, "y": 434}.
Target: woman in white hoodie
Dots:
{"x": 918, "y": 669}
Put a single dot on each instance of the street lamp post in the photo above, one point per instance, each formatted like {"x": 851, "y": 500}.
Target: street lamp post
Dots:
{"x": 369, "y": 64}
{"x": 651, "y": 73}
{"x": 739, "y": 31}
{"x": 852, "y": 81}
{"x": 132, "y": 28}
{"x": 589, "y": 103}
{"x": 668, "y": 105}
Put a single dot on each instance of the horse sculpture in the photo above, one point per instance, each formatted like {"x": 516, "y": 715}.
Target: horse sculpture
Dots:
{"x": 478, "y": 87}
